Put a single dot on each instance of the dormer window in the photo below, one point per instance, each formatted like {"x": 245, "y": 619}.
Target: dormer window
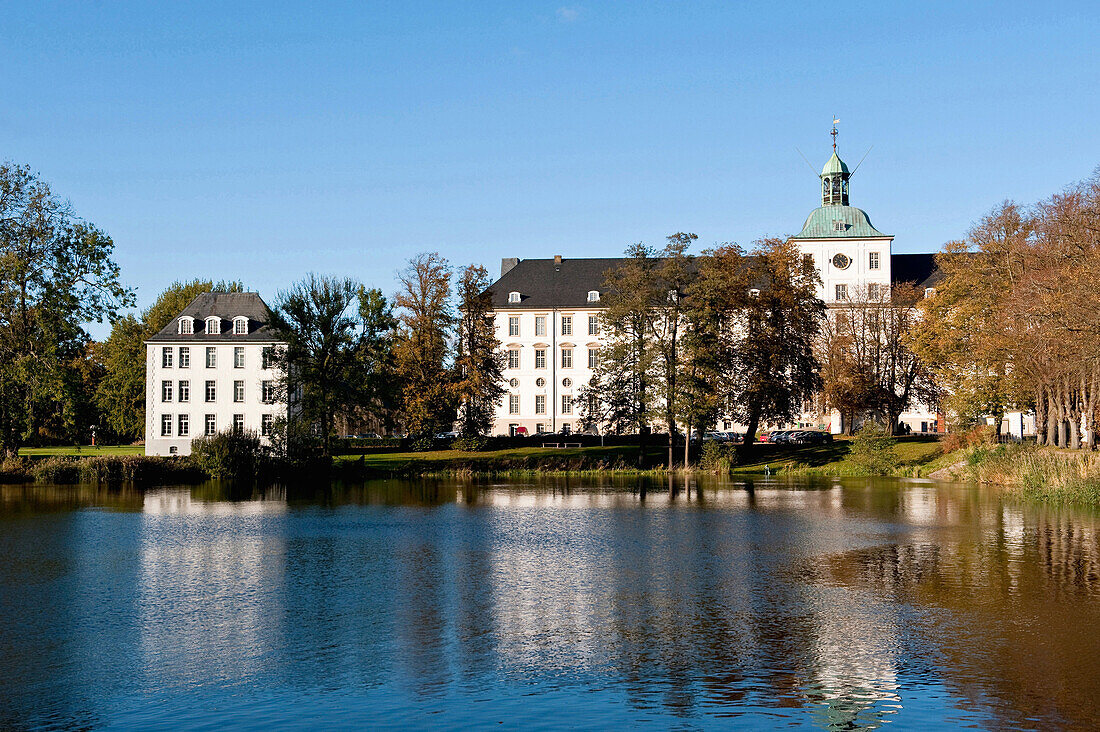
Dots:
{"x": 593, "y": 296}
{"x": 213, "y": 326}
{"x": 513, "y": 297}
{"x": 186, "y": 325}
{"x": 929, "y": 291}
{"x": 840, "y": 226}
{"x": 240, "y": 326}
{"x": 754, "y": 292}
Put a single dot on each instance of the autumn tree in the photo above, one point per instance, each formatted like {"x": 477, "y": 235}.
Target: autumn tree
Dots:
{"x": 670, "y": 282}
{"x": 57, "y": 275}
{"x": 426, "y": 320}
{"x": 479, "y": 361}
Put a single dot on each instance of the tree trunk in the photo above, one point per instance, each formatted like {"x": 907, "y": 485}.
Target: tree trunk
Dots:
{"x": 1040, "y": 418}
{"x": 687, "y": 444}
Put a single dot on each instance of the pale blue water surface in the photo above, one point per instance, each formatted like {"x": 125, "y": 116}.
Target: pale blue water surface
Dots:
{"x": 556, "y": 604}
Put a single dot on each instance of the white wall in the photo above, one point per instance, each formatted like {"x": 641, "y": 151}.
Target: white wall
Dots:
{"x": 224, "y": 374}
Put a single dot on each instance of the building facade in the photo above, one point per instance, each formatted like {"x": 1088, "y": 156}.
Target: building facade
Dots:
{"x": 211, "y": 370}
{"x": 547, "y": 311}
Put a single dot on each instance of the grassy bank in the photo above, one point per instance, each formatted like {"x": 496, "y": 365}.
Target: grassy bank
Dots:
{"x": 1041, "y": 473}
{"x": 81, "y": 450}
{"x": 523, "y": 460}
{"x": 914, "y": 454}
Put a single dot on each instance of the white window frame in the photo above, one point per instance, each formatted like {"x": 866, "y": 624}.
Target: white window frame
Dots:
{"x": 567, "y": 325}
{"x": 210, "y": 424}
{"x": 567, "y": 358}
{"x": 238, "y": 391}
{"x": 166, "y": 357}
{"x": 540, "y": 404}
{"x": 185, "y": 357}
{"x": 267, "y": 355}
{"x": 593, "y": 296}
{"x": 210, "y": 391}
{"x": 238, "y": 423}
{"x": 166, "y": 425}
{"x": 267, "y": 391}
{"x": 213, "y": 326}
{"x": 513, "y": 325}
{"x": 183, "y": 425}
{"x": 593, "y": 357}
{"x": 183, "y": 391}
{"x": 238, "y": 357}
{"x": 540, "y": 358}
{"x": 593, "y": 325}
{"x": 166, "y": 391}
{"x": 186, "y": 325}
{"x": 513, "y": 297}
{"x": 513, "y": 358}
{"x": 566, "y": 403}
{"x": 874, "y": 260}
{"x": 513, "y": 404}
{"x": 540, "y": 325}
{"x": 211, "y": 357}
{"x": 267, "y": 425}
{"x": 240, "y": 325}
{"x": 841, "y": 292}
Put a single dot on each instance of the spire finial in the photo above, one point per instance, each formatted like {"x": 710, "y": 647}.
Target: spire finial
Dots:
{"x": 833, "y": 133}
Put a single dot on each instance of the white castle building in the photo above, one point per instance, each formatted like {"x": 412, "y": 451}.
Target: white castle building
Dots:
{"x": 547, "y": 311}
{"x": 209, "y": 371}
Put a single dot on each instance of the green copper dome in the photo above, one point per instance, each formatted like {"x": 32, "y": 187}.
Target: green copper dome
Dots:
{"x": 834, "y": 166}
{"x": 838, "y": 222}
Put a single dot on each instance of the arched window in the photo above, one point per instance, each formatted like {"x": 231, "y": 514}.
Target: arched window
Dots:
{"x": 754, "y": 292}
{"x": 593, "y": 296}
{"x": 186, "y": 325}
{"x": 213, "y": 326}
{"x": 240, "y": 325}
{"x": 513, "y": 297}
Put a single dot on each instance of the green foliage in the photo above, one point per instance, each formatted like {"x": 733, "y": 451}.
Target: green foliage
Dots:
{"x": 470, "y": 443}
{"x": 716, "y": 457}
{"x": 479, "y": 361}
{"x": 422, "y": 444}
{"x": 874, "y": 450}
{"x": 234, "y": 455}
{"x": 57, "y": 275}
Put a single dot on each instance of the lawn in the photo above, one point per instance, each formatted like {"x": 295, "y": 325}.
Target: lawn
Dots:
{"x": 82, "y": 450}
{"x": 514, "y": 458}
{"x": 914, "y": 453}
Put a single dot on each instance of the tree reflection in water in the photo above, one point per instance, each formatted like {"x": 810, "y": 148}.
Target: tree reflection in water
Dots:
{"x": 836, "y": 604}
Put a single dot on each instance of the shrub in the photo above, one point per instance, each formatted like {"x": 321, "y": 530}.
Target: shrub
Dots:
{"x": 57, "y": 470}
{"x": 422, "y": 444}
{"x": 873, "y": 451}
{"x": 717, "y": 458}
{"x": 470, "y": 443}
{"x": 228, "y": 454}
{"x": 981, "y": 434}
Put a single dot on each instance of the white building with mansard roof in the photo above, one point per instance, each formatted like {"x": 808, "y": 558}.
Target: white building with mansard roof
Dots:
{"x": 547, "y": 311}
{"x": 210, "y": 370}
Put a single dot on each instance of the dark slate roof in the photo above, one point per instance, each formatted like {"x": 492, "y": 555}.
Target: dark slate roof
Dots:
{"x": 920, "y": 269}
{"x": 543, "y": 284}
{"x": 226, "y": 305}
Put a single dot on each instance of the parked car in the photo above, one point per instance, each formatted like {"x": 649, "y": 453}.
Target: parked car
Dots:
{"x": 446, "y": 435}
{"x": 811, "y": 437}
{"x": 734, "y": 437}
{"x": 716, "y": 436}
{"x": 781, "y": 437}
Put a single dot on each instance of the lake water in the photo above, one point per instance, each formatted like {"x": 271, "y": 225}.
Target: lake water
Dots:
{"x": 560, "y": 603}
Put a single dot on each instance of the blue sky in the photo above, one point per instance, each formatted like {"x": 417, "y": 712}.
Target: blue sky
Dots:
{"x": 262, "y": 141}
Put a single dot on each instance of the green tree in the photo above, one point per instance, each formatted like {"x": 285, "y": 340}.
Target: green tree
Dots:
{"x": 672, "y": 277}
{"x": 479, "y": 360}
{"x": 378, "y": 398}
{"x": 774, "y": 326}
{"x": 318, "y": 318}
{"x": 57, "y": 274}
{"x": 426, "y": 319}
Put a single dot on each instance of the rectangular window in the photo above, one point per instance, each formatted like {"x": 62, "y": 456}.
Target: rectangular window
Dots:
{"x": 166, "y": 425}
{"x": 185, "y": 357}
{"x": 540, "y": 358}
{"x": 183, "y": 425}
{"x": 873, "y": 260}
{"x": 267, "y": 421}
{"x": 238, "y": 391}
{"x": 513, "y": 358}
{"x": 567, "y": 358}
{"x": 540, "y": 325}
{"x": 513, "y": 404}
{"x": 567, "y": 325}
{"x": 211, "y": 357}
{"x": 166, "y": 357}
{"x": 238, "y": 357}
{"x": 873, "y": 292}
{"x": 267, "y": 392}
{"x": 513, "y": 325}
{"x": 211, "y": 424}
{"x": 185, "y": 391}
{"x": 540, "y": 428}
{"x": 211, "y": 391}
{"x": 187, "y": 326}
{"x": 267, "y": 353}
{"x": 540, "y": 404}
{"x": 566, "y": 404}
{"x": 593, "y": 357}
{"x": 166, "y": 391}
{"x": 842, "y": 292}
{"x": 238, "y": 423}
{"x": 593, "y": 325}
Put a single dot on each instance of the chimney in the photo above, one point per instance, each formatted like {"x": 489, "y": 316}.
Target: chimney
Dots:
{"x": 557, "y": 263}
{"x": 507, "y": 264}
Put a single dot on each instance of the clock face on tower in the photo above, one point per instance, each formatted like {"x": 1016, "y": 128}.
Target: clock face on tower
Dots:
{"x": 841, "y": 261}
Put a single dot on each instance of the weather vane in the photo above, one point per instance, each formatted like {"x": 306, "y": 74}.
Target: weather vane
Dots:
{"x": 833, "y": 133}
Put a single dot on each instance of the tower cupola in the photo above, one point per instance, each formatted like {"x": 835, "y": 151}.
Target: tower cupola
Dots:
{"x": 834, "y": 179}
